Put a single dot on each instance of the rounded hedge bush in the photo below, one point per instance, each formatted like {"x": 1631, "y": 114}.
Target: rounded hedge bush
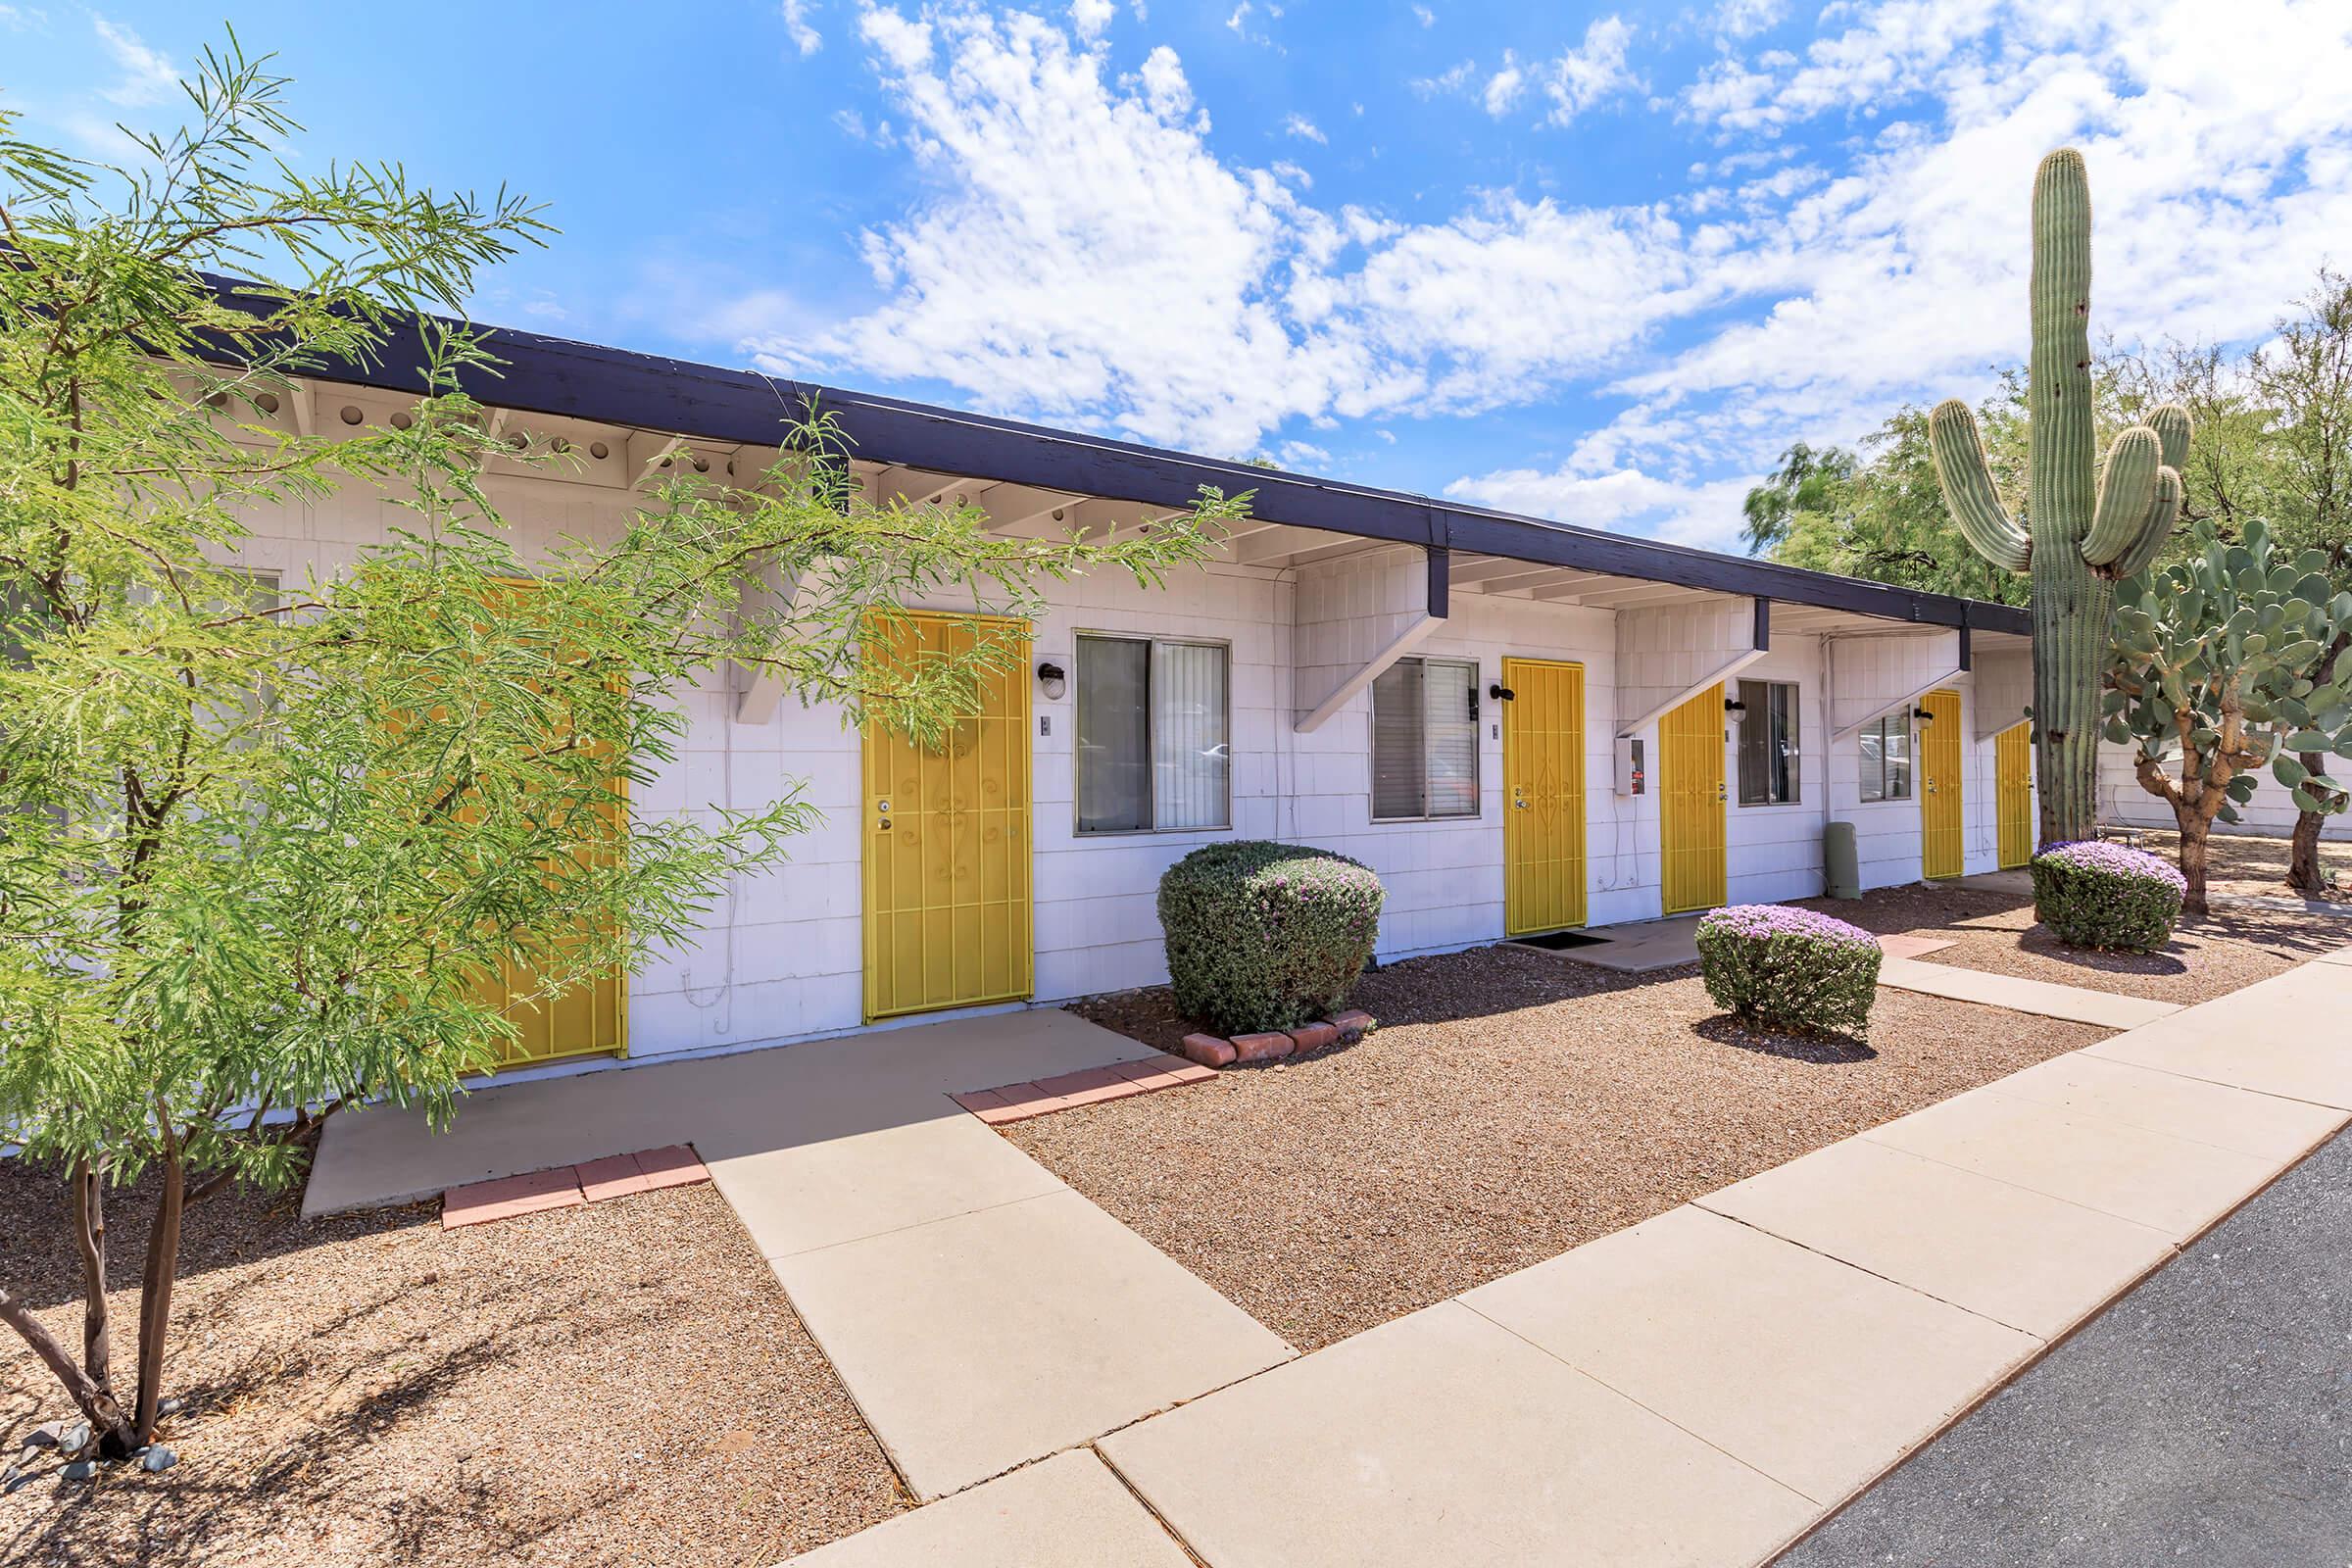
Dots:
{"x": 1267, "y": 936}
{"x": 2107, "y": 896}
{"x": 1790, "y": 969}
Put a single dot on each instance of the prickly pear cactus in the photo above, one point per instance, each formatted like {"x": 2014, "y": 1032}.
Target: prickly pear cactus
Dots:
{"x": 2088, "y": 528}
{"x": 2217, "y": 668}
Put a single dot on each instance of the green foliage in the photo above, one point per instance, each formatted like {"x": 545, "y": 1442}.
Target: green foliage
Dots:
{"x": 269, "y": 840}
{"x": 2107, "y": 896}
{"x": 1267, "y": 936}
{"x": 1879, "y": 513}
{"x": 2082, "y": 529}
{"x": 1790, "y": 969}
{"x": 2223, "y": 661}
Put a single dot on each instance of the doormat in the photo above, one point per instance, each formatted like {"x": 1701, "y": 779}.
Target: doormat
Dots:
{"x": 1560, "y": 941}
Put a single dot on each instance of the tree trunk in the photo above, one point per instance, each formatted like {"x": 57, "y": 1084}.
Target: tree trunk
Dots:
{"x": 97, "y": 1406}
{"x": 2303, "y": 873}
{"x": 2193, "y": 830}
{"x": 155, "y": 1295}
{"x": 90, "y": 1234}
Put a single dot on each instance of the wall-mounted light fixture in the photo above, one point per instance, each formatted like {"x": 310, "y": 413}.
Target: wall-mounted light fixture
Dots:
{"x": 1923, "y": 715}
{"x": 1501, "y": 692}
{"x": 1737, "y": 708}
{"x": 1052, "y": 682}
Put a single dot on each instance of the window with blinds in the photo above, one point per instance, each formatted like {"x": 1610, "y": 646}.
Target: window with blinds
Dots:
{"x": 1152, "y": 747}
{"x": 1886, "y": 757}
{"x": 1767, "y": 743}
{"x": 1425, "y": 739}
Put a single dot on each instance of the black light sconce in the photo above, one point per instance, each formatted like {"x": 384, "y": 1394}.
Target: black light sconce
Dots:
{"x": 1052, "y": 682}
{"x": 1923, "y": 715}
{"x": 1501, "y": 692}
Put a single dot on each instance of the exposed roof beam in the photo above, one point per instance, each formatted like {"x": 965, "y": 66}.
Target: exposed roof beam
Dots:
{"x": 648, "y": 392}
{"x": 1573, "y": 587}
{"x": 1274, "y": 544}
{"x": 1525, "y": 576}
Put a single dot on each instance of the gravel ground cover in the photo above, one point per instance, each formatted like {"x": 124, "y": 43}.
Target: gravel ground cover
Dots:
{"x": 2208, "y": 957}
{"x": 1511, "y": 1104}
{"x": 622, "y": 1383}
{"x": 2238, "y": 865}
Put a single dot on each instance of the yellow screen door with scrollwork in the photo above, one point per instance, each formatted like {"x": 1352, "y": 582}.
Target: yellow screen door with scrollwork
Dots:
{"x": 2013, "y": 778}
{"x": 1692, "y": 831}
{"x": 1543, "y": 778}
{"x": 1940, "y": 788}
{"x": 946, "y": 834}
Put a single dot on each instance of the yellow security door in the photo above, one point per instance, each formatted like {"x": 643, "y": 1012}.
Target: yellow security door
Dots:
{"x": 1939, "y": 791}
{"x": 1543, "y": 778}
{"x": 588, "y": 1020}
{"x": 1690, "y": 825}
{"x": 947, "y": 837}
{"x": 2013, "y": 778}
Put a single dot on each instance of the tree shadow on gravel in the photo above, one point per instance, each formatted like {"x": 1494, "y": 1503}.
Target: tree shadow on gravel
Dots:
{"x": 1820, "y": 1050}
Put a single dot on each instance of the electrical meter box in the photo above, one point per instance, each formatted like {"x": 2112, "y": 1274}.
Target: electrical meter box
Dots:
{"x": 1633, "y": 774}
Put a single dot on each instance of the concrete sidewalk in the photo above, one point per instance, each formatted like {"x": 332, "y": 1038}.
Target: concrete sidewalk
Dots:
{"x": 980, "y": 1312}
{"x": 1704, "y": 1387}
{"x": 2201, "y": 1419}
{"x": 2077, "y": 1004}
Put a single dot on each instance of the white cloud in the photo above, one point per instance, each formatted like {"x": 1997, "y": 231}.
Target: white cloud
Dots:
{"x": 1079, "y": 251}
{"x": 797, "y": 27}
{"x": 1063, "y": 201}
{"x": 1744, "y": 19}
{"x": 1164, "y": 86}
{"x": 1901, "y": 276}
{"x": 1505, "y": 87}
{"x": 24, "y": 18}
{"x": 1303, "y": 128}
{"x": 1627, "y": 500}
{"x": 1591, "y": 73}
{"x": 1291, "y": 172}
{"x": 1426, "y": 16}
{"x": 1452, "y": 80}
{"x": 1091, "y": 17}
{"x": 148, "y": 77}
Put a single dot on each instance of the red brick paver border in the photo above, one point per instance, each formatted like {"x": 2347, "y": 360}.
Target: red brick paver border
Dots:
{"x": 614, "y": 1176}
{"x": 1010, "y": 1102}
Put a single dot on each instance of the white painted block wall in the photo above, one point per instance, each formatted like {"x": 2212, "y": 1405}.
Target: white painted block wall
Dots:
{"x": 780, "y": 954}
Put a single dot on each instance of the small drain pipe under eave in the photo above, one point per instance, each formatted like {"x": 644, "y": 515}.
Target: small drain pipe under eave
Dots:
{"x": 1405, "y": 642}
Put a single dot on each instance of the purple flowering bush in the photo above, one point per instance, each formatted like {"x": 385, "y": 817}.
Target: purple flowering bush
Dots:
{"x": 2107, "y": 896}
{"x": 1794, "y": 970}
{"x": 1267, "y": 936}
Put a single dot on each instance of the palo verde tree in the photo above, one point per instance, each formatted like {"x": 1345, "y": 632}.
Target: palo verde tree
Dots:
{"x": 2085, "y": 528}
{"x": 2222, "y": 663}
{"x": 265, "y": 843}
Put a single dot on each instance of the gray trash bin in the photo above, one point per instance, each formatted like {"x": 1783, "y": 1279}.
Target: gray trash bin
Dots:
{"x": 1840, "y": 862}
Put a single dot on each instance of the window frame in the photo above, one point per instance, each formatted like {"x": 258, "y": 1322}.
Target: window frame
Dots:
{"x": 1149, "y": 640}
{"x": 1910, "y": 760}
{"x": 1794, "y": 754}
{"x": 1478, "y": 766}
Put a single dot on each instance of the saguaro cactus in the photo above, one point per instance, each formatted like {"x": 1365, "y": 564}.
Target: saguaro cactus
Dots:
{"x": 2083, "y": 529}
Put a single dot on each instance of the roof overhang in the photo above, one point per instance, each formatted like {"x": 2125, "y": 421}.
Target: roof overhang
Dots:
{"x": 560, "y": 376}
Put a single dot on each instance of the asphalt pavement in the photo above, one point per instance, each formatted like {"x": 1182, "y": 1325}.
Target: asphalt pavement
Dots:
{"x": 2205, "y": 1418}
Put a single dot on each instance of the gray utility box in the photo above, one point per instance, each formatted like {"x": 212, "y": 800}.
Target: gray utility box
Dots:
{"x": 1841, "y": 861}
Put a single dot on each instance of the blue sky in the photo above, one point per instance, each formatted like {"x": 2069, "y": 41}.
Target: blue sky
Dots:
{"x": 1595, "y": 263}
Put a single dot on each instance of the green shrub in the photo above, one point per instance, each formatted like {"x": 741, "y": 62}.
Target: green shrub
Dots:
{"x": 1791, "y": 970}
{"x": 2107, "y": 896}
{"x": 1267, "y": 936}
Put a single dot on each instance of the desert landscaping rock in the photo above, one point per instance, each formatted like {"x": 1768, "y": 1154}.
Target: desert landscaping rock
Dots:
{"x": 1508, "y": 1108}
{"x": 364, "y": 1376}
